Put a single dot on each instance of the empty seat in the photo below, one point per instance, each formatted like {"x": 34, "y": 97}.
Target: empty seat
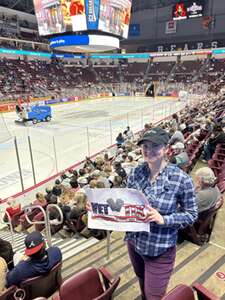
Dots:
{"x": 87, "y": 285}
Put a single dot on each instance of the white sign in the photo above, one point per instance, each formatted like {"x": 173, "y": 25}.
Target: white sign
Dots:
{"x": 117, "y": 209}
{"x": 171, "y": 26}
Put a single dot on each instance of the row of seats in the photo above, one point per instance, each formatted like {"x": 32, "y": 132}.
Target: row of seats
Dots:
{"x": 89, "y": 284}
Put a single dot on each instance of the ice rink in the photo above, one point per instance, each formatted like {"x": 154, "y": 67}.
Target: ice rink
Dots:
{"x": 77, "y": 130}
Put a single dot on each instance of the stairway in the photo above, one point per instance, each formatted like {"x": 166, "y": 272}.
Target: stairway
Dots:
{"x": 147, "y": 70}
{"x": 203, "y": 69}
{"x": 69, "y": 247}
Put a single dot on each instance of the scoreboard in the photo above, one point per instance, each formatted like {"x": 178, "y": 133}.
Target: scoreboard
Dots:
{"x": 63, "y": 16}
{"x": 188, "y": 10}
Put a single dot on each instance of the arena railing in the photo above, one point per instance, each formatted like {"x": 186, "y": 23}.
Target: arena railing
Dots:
{"x": 49, "y": 148}
{"x": 41, "y": 154}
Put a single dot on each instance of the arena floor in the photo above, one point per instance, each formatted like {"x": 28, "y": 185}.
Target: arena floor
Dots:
{"x": 77, "y": 130}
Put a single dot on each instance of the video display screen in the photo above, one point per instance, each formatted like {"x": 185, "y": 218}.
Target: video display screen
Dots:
{"x": 114, "y": 16}
{"x": 188, "y": 9}
{"x": 59, "y": 16}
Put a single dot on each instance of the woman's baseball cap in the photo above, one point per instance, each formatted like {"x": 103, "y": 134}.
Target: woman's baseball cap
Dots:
{"x": 34, "y": 241}
{"x": 156, "y": 135}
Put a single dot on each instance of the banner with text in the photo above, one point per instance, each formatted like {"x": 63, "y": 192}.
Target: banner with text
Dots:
{"x": 117, "y": 209}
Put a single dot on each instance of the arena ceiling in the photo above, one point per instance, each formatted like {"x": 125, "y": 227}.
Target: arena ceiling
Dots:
{"x": 21, "y": 5}
{"x": 138, "y": 5}
{"x": 27, "y": 5}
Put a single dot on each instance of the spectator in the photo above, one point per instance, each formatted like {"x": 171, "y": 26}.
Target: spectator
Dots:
{"x": 120, "y": 140}
{"x": 207, "y": 191}
{"x": 174, "y": 122}
{"x": 128, "y": 134}
{"x": 6, "y": 252}
{"x": 79, "y": 207}
{"x": 13, "y": 209}
{"x": 171, "y": 196}
{"x": 40, "y": 199}
{"x": 180, "y": 157}
{"x": 217, "y": 137}
{"x": 39, "y": 262}
{"x": 120, "y": 170}
{"x": 118, "y": 182}
{"x": 129, "y": 164}
{"x": 57, "y": 189}
{"x": 53, "y": 199}
{"x": 82, "y": 181}
{"x": 74, "y": 185}
{"x": 177, "y": 136}
{"x": 48, "y": 194}
{"x": 3, "y": 271}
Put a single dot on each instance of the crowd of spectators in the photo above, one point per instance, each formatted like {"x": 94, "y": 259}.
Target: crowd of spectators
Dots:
{"x": 110, "y": 170}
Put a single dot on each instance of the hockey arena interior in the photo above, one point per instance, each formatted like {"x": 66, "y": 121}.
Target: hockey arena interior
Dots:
{"x": 125, "y": 96}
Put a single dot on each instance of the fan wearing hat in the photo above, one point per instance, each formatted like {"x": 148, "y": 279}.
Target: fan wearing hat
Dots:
{"x": 39, "y": 260}
{"x": 172, "y": 204}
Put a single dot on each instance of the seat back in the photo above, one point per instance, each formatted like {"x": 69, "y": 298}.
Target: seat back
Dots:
{"x": 200, "y": 231}
{"x": 207, "y": 218}
{"x": 85, "y": 285}
{"x": 23, "y": 221}
{"x": 44, "y": 285}
{"x": 39, "y": 217}
{"x": 182, "y": 291}
{"x": 8, "y": 294}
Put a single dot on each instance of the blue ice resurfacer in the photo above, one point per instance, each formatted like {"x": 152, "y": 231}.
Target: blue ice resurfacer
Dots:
{"x": 37, "y": 113}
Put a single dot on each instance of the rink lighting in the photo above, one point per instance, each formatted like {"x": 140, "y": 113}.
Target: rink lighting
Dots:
{"x": 84, "y": 43}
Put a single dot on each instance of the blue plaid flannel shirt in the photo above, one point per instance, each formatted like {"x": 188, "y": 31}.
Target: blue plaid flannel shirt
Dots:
{"x": 173, "y": 195}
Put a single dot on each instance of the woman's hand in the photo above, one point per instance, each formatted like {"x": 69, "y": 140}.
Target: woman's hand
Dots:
{"x": 88, "y": 206}
{"x": 153, "y": 215}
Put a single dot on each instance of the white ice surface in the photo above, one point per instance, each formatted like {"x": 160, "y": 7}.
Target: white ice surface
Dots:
{"x": 77, "y": 130}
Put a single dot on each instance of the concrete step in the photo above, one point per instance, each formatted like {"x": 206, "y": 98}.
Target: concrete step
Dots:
{"x": 69, "y": 246}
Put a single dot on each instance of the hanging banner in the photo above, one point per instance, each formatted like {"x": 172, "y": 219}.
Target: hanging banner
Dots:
{"x": 117, "y": 209}
{"x": 92, "y": 13}
{"x": 171, "y": 27}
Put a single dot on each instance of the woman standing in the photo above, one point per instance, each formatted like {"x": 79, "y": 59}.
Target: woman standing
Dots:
{"x": 172, "y": 205}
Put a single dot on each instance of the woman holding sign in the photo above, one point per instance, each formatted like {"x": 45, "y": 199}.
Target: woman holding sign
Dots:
{"x": 172, "y": 205}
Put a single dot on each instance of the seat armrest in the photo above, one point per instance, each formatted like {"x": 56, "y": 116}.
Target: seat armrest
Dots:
{"x": 55, "y": 296}
{"x": 204, "y": 293}
{"x": 106, "y": 275}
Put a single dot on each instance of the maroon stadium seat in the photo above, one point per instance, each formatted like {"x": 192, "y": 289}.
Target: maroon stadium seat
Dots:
{"x": 76, "y": 225}
{"x": 23, "y": 221}
{"x": 200, "y": 232}
{"x": 87, "y": 285}
{"x": 185, "y": 292}
{"x": 8, "y": 294}
{"x": 44, "y": 285}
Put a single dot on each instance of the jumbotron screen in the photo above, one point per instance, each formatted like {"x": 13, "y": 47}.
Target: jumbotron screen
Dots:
{"x": 60, "y": 16}
{"x": 188, "y": 9}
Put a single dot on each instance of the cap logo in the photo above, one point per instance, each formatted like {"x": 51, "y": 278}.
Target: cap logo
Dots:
{"x": 31, "y": 245}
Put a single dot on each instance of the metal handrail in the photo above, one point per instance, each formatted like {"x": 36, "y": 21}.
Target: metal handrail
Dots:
{"x": 28, "y": 209}
{"x": 44, "y": 222}
{"x": 59, "y": 210}
{"x": 48, "y": 228}
{"x": 9, "y": 222}
{"x": 47, "y": 222}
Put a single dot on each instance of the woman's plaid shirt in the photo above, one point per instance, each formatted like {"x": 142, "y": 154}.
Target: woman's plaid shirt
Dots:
{"x": 173, "y": 195}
